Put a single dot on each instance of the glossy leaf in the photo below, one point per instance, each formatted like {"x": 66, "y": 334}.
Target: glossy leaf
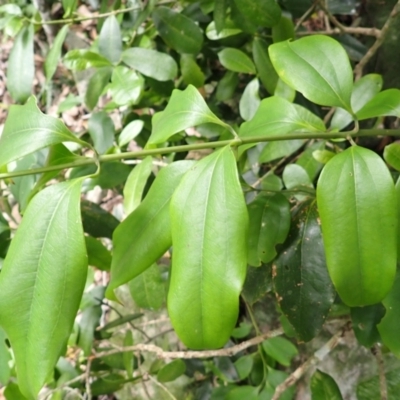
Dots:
{"x": 145, "y": 235}
{"x": 152, "y": 63}
{"x": 309, "y": 162}
{"x": 126, "y": 86}
{"x": 364, "y": 90}
{"x": 357, "y": 205}
{"x": 243, "y": 392}
{"x": 316, "y": 66}
{"x": 20, "y": 65}
{"x": 283, "y": 30}
{"x": 127, "y": 356}
{"x": 97, "y": 83}
{"x": 191, "y": 72}
{"x": 250, "y": 100}
{"x": 229, "y": 30}
{"x": 324, "y": 387}
{"x": 147, "y": 289}
{"x": 285, "y": 91}
{"x": 365, "y": 319}
{"x": 295, "y": 176}
{"x": 45, "y": 297}
{"x": 391, "y": 155}
{"x": 388, "y": 327}
{"x": 81, "y": 59}
{"x": 301, "y": 277}
{"x": 280, "y": 349}
{"x": 98, "y": 255}
{"x": 384, "y": 103}
{"x": 130, "y": 131}
{"x": 265, "y": 70}
{"x": 50, "y": 64}
{"x": 227, "y": 86}
{"x": 370, "y": 389}
{"x": 185, "y": 109}
{"x": 236, "y": 60}
{"x": 220, "y": 8}
{"x": 208, "y": 270}
{"x": 264, "y": 13}
{"x": 171, "y": 371}
{"x": 101, "y": 129}
{"x": 283, "y": 148}
{"x": 133, "y": 189}
{"x": 28, "y": 130}
{"x": 244, "y": 365}
{"x": 269, "y": 223}
{"x": 178, "y": 31}
{"x": 110, "y": 39}
{"x": 89, "y": 321}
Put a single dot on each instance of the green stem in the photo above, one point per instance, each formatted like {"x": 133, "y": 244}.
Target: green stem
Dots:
{"x": 201, "y": 146}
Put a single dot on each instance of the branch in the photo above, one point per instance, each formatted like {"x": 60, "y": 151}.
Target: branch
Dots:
{"x": 372, "y": 50}
{"x": 314, "y": 359}
{"x": 353, "y": 30}
{"x": 226, "y": 352}
{"x": 208, "y": 145}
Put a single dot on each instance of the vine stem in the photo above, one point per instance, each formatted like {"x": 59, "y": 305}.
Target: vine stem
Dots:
{"x": 201, "y": 146}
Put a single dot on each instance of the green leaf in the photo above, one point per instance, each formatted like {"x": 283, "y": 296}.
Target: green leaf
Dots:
{"x": 191, "y": 72}
{"x": 384, "y": 103}
{"x": 229, "y": 30}
{"x": 130, "y": 131}
{"x": 264, "y": 13}
{"x": 152, "y": 63}
{"x": 243, "y": 392}
{"x": 81, "y": 59}
{"x": 89, "y": 321}
{"x": 316, "y": 66}
{"x": 5, "y": 357}
{"x": 20, "y": 65}
{"x": 50, "y": 64}
{"x": 98, "y": 255}
{"x": 285, "y": 91}
{"x": 220, "y": 8}
{"x": 44, "y": 274}
{"x": 185, "y": 109}
{"x": 133, "y": 189}
{"x": 391, "y": 154}
{"x": 27, "y": 130}
{"x": 120, "y": 321}
{"x": 101, "y": 129}
{"x": 250, "y": 100}
{"x": 357, "y": 205}
{"x": 236, "y": 60}
{"x": 226, "y": 86}
{"x": 301, "y": 278}
{"x": 265, "y": 70}
{"x": 171, "y": 371}
{"x": 295, "y": 176}
{"x": 283, "y": 30}
{"x": 309, "y": 162}
{"x": 280, "y": 349}
{"x": 258, "y": 282}
{"x": 178, "y": 31}
{"x": 127, "y": 356}
{"x": 110, "y": 40}
{"x": 126, "y": 86}
{"x": 145, "y": 235}
{"x": 244, "y": 365}
{"x": 283, "y": 148}
{"x": 269, "y": 223}
{"x": 323, "y": 387}
{"x": 390, "y": 323}
{"x": 364, "y": 90}
{"x": 97, "y": 83}
{"x": 242, "y": 331}
{"x": 370, "y": 389}
{"x": 275, "y": 378}
{"x": 69, "y": 7}
{"x": 147, "y": 289}
{"x": 208, "y": 270}
{"x": 365, "y": 320}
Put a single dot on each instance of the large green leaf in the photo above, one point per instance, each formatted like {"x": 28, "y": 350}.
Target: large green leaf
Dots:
{"x": 110, "y": 39}
{"x": 185, "y": 109}
{"x": 301, "y": 278}
{"x": 363, "y": 91}
{"x": 50, "y": 65}
{"x": 209, "y": 235}
{"x": 27, "y": 130}
{"x": 236, "y": 60}
{"x": 280, "y": 349}
{"x": 42, "y": 281}
{"x": 358, "y": 210}
{"x": 316, "y": 66}
{"x": 20, "y": 65}
{"x": 323, "y": 387}
{"x": 264, "y": 13}
{"x": 384, "y": 103}
{"x": 145, "y": 235}
{"x": 269, "y": 223}
{"x": 178, "y": 31}
{"x": 152, "y": 63}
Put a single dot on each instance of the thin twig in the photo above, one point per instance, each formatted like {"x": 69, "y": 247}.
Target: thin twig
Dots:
{"x": 358, "y": 70}
{"x": 331, "y": 17}
{"x": 376, "y": 350}
{"x": 314, "y": 359}
{"x": 226, "y": 352}
{"x": 87, "y": 379}
{"x": 352, "y": 30}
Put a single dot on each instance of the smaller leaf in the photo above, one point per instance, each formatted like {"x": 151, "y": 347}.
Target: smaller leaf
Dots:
{"x": 295, "y": 176}
{"x": 50, "y": 65}
{"x": 323, "y": 387}
{"x": 236, "y": 60}
{"x": 98, "y": 255}
{"x": 152, "y": 63}
{"x": 258, "y": 282}
{"x": 283, "y": 30}
{"x": 285, "y": 91}
{"x": 101, "y": 129}
{"x": 280, "y": 349}
{"x": 90, "y": 320}
{"x": 384, "y": 103}
{"x": 391, "y": 155}
{"x": 126, "y": 86}
{"x": 191, "y": 72}
{"x": 283, "y": 148}
{"x": 243, "y": 392}
{"x": 244, "y": 365}
{"x": 97, "y": 83}
{"x": 120, "y": 321}
{"x": 226, "y": 86}
{"x": 229, "y": 30}
{"x": 185, "y": 109}
{"x": 130, "y": 131}
{"x": 110, "y": 39}
{"x": 323, "y": 156}
{"x": 250, "y": 100}
{"x": 128, "y": 355}
{"x": 265, "y": 13}
{"x": 78, "y": 60}
{"x": 171, "y": 371}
